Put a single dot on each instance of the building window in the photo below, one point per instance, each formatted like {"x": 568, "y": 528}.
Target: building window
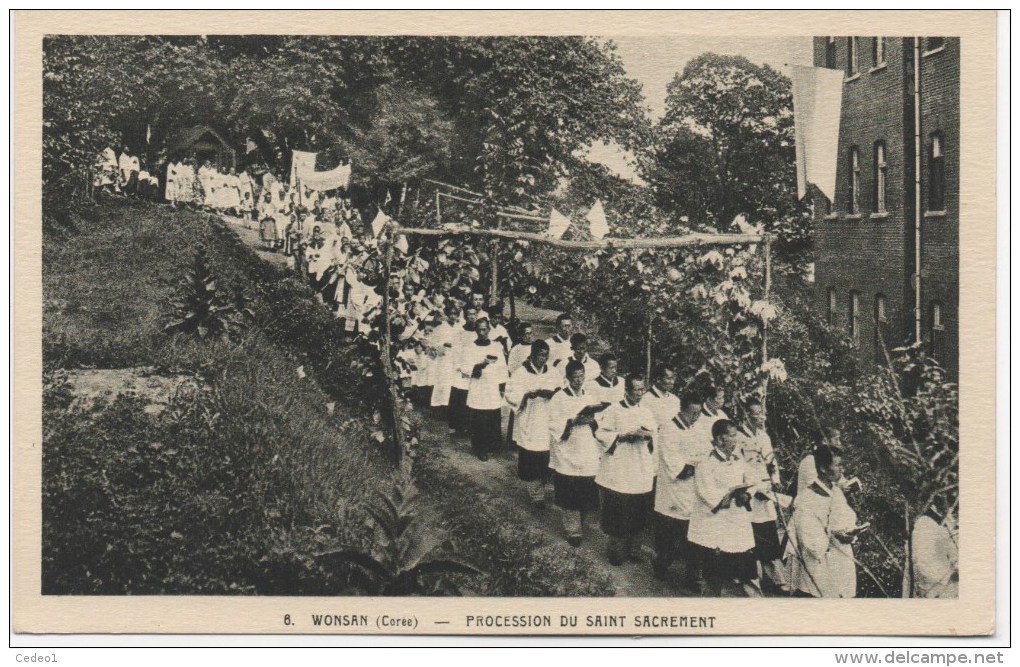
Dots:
{"x": 880, "y": 320}
{"x": 854, "y": 316}
{"x": 830, "y": 52}
{"x": 936, "y": 173}
{"x": 877, "y": 51}
{"x": 881, "y": 177}
{"x": 831, "y": 314}
{"x": 937, "y": 331}
{"x": 854, "y": 193}
{"x": 853, "y": 60}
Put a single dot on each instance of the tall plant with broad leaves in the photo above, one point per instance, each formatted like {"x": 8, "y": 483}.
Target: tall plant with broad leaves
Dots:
{"x": 203, "y": 310}
{"x": 403, "y": 558}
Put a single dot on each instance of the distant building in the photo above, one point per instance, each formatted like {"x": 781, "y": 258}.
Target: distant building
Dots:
{"x": 204, "y": 144}
{"x": 865, "y": 239}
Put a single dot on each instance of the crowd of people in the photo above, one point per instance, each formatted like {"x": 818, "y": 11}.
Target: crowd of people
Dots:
{"x": 620, "y": 450}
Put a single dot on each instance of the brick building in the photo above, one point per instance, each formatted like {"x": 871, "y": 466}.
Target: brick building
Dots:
{"x": 865, "y": 239}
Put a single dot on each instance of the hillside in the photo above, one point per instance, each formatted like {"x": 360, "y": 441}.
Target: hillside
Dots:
{"x": 175, "y": 464}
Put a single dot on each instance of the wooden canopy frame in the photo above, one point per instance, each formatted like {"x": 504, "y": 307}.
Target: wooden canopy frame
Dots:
{"x": 688, "y": 240}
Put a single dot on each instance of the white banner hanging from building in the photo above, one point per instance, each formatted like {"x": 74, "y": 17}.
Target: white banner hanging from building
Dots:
{"x": 817, "y": 99}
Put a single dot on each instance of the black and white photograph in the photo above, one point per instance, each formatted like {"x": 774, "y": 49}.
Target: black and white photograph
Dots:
{"x": 511, "y": 317}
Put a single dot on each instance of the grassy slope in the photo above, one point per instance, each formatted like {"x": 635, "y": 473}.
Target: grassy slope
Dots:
{"x": 231, "y": 490}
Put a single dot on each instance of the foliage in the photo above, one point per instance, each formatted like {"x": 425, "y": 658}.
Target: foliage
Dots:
{"x": 400, "y": 561}
{"x": 202, "y": 309}
{"x": 912, "y": 412}
{"x": 725, "y": 148}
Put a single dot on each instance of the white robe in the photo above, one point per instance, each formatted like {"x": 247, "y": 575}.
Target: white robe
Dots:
{"x": 758, "y": 453}
{"x": 579, "y": 453}
{"x": 678, "y": 447}
{"x": 531, "y": 421}
{"x": 935, "y": 557}
{"x": 626, "y": 467}
{"x": 443, "y": 342}
{"x": 727, "y": 529}
{"x": 483, "y": 391}
{"x": 819, "y": 564}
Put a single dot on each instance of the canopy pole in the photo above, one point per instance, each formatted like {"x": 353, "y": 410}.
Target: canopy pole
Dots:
{"x": 765, "y": 324}
{"x": 648, "y": 354}
{"x": 392, "y": 391}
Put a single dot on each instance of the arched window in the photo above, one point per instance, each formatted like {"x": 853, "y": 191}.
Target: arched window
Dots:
{"x": 854, "y": 181}
{"x": 881, "y": 177}
{"x": 853, "y": 61}
{"x": 877, "y": 51}
{"x": 854, "y": 316}
{"x": 936, "y": 173}
{"x": 831, "y": 312}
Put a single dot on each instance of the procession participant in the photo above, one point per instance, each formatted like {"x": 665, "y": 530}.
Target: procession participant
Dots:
{"x": 607, "y": 387}
{"x": 443, "y": 342}
{"x": 559, "y": 344}
{"x": 579, "y": 353}
{"x": 679, "y": 454}
{"x": 317, "y": 258}
{"x": 106, "y": 169}
{"x": 822, "y": 532}
{"x": 460, "y": 382}
{"x": 720, "y": 530}
{"x": 144, "y": 189}
{"x": 191, "y": 186}
{"x": 485, "y": 367}
{"x": 267, "y": 220}
{"x": 522, "y": 347}
{"x": 756, "y": 445}
{"x": 478, "y": 301}
{"x": 574, "y": 453}
{"x": 499, "y": 333}
{"x": 528, "y": 393}
{"x": 660, "y": 398}
{"x": 712, "y": 409}
{"x": 806, "y": 474}
{"x": 126, "y": 167}
{"x": 246, "y": 187}
{"x": 421, "y": 390}
{"x": 626, "y": 471}
{"x": 933, "y": 568}
{"x": 136, "y": 168}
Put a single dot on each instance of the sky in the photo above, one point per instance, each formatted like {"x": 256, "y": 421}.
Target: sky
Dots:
{"x": 654, "y": 61}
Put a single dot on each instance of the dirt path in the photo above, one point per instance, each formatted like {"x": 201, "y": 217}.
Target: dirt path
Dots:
{"x": 498, "y": 475}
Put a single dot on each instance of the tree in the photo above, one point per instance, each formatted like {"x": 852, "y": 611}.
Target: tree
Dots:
{"x": 725, "y": 148}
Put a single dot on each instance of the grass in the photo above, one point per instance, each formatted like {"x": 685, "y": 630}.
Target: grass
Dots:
{"x": 233, "y": 488}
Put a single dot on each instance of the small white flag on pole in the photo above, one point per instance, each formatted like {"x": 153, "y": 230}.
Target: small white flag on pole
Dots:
{"x": 379, "y": 223}
{"x": 558, "y": 224}
{"x": 597, "y": 220}
{"x": 401, "y": 244}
